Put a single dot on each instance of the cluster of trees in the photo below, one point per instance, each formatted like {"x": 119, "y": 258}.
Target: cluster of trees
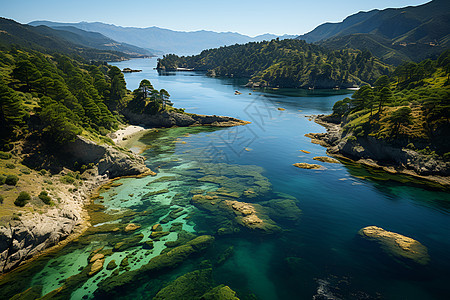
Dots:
{"x": 411, "y": 106}
{"x": 57, "y": 94}
{"x": 148, "y": 100}
{"x": 284, "y": 63}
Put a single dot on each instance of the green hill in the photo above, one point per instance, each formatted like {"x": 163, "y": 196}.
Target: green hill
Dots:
{"x": 47, "y": 40}
{"x": 408, "y": 109}
{"x": 284, "y": 63}
{"x": 93, "y": 40}
{"x": 394, "y": 34}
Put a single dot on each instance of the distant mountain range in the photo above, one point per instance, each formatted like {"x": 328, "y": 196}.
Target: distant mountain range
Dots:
{"x": 393, "y": 34}
{"x": 164, "y": 40}
{"x": 71, "y": 41}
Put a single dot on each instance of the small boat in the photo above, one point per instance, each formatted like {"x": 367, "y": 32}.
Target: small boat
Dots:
{"x": 237, "y": 93}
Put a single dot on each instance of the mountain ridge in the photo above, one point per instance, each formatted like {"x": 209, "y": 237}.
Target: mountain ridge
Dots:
{"x": 395, "y": 35}
{"x": 165, "y": 40}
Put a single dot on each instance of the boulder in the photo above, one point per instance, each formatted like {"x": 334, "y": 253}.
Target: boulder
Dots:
{"x": 96, "y": 267}
{"x": 157, "y": 227}
{"x": 97, "y": 256}
{"x": 326, "y": 159}
{"x": 307, "y": 166}
{"x": 132, "y": 227}
{"x": 396, "y": 244}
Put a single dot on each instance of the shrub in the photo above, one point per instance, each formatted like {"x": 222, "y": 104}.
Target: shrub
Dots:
{"x": 67, "y": 179}
{"x": 25, "y": 171}
{"x": 1, "y": 199}
{"x": 11, "y": 180}
{"x": 22, "y": 199}
{"x": 43, "y": 172}
{"x": 5, "y": 155}
{"x": 45, "y": 197}
{"x": 10, "y": 166}
{"x": 446, "y": 156}
{"x": 2, "y": 179}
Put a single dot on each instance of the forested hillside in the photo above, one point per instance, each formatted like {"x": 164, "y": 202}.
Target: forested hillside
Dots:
{"x": 411, "y": 108}
{"x": 56, "y": 97}
{"x": 284, "y": 63}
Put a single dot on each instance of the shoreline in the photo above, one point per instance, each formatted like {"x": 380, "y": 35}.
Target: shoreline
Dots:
{"x": 121, "y": 136}
{"x": 333, "y": 133}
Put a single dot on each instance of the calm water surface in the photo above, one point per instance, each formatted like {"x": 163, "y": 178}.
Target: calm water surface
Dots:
{"x": 320, "y": 254}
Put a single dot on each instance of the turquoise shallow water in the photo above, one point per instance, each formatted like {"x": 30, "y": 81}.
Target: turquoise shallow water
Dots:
{"x": 320, "y": 254}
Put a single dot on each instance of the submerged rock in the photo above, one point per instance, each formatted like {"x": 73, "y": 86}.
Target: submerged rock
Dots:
{"x": 132, "y": 227}
{"x": 96, "y": 267}
{"x": 189, "y": 286}
{"x": 396, "y": 244}
{"x": 157, "y": 227}
{"x": 221, "y": 292}
{"x": 157, "y": 265}
{"x": 111, "y": 265}
{"x": 96, "y": 257}
{"x": 307, "y": 166}
{"x": 283, "y": 209}
{"x": 158, "y": 234}
{"x": 33, "y": 292}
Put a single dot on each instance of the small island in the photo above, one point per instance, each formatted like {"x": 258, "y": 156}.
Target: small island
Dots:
{"x": 128, "y": 70}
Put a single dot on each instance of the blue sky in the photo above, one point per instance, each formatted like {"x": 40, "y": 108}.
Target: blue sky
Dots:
{"x": 251, "y": 17}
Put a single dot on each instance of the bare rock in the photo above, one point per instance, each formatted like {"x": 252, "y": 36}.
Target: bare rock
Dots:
{"x": 396, "y": 244}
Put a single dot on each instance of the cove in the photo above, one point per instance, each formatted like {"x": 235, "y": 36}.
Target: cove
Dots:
{"x": 315, "y": 252}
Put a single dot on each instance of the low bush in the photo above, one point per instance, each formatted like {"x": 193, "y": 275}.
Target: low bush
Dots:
{"x": 10, "y": 166}
{"x": 67, "y": 179}
{"x": 45, "y": 197}
{"x": 5, "y": 155}
{"x": 1, "y": 199}
{"x": 22, "y": 199}
{"x": 11, "y": 180}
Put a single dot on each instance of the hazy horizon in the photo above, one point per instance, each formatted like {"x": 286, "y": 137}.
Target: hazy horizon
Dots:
{"x": 251, "y": 18}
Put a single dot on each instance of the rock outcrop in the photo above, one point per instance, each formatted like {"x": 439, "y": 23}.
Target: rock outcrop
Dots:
{"x": 379, "y": 153}
{"x": 169, "y": 119}
{"x": 109, "y": 160}
{"x": 25, "y": 238}
{"x": 396, "y": 244}
{"x": 34, "y": 232}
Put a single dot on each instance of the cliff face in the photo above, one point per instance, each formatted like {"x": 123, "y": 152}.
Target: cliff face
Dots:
{"x": 169, "y": 119}
{"x": 34, "y": 232}
{"x": 110, "y": 161}
{"x": 379, "y": 151}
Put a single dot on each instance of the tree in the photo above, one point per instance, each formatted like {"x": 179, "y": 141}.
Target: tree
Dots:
{"x": 400, "y": 117}
{"x": 118, "y": 88}
{"x": 58, "y": 123}
{"x": 12, "y": 111}
{"x": 383, "y": 92}
{"x": 165, "y": 98}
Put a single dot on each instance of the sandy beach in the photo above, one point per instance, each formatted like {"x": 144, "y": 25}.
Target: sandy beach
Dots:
{"x": 123, "y": 134}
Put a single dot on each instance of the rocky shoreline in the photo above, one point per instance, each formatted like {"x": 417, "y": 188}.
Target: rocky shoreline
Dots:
{"x": 34, "y": 232}
{"x": 170, "y": 119}
{"x": 379, "y": 154}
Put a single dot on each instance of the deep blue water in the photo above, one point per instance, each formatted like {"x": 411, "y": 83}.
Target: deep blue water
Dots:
{"x": 319, "y": 254}
{"x": 335, "y": 203}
